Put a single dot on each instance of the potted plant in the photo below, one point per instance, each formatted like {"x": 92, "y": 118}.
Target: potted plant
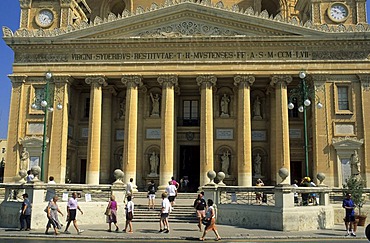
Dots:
{"x": 355, "y": 185}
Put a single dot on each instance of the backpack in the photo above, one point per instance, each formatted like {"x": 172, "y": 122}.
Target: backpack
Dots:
{"x": 152, "y": 188}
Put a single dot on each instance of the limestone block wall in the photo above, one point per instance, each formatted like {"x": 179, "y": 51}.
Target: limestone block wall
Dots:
{"x": 265, "y": 217}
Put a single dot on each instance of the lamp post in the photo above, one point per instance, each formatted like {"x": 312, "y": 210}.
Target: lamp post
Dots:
{"x": 303, "y": 93}
{"x": 46, "y": 103}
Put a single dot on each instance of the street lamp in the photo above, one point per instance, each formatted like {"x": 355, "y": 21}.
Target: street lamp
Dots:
{"x": 302, "y": 94}
{"x": 46, "y": 103}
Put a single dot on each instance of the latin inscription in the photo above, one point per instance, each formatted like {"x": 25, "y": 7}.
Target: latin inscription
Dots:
{"x": 148, "y": 56}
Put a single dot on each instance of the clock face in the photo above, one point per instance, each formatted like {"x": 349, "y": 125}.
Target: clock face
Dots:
{"x": 338, "y": 12}
{"x": 45, "y": 18}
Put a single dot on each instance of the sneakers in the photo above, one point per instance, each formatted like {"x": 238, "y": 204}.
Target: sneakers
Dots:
{"x": 80, "y": 231}
{"x": 347, "y": 234}
{"x": 160, "y": 231}
{"x": 67, "y": 232}
{"x": 353, "y": 234}
{"x": 166, "y": 231}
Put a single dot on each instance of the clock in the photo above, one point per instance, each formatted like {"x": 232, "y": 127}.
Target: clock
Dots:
{"x": 338, "y": 12}
{"x": 44, "y": 18}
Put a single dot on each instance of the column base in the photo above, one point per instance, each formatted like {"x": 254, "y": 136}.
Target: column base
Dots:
{"x": 92, "y": 177}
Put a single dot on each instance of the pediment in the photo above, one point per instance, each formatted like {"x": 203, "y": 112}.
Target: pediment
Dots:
{"x": 184, "y": 19}
{"x": 347, "y": 143}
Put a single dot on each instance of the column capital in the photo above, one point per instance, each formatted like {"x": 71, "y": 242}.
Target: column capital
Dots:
{"x": 25, "y": 3}
{"x": 132, "y": 80}
{"x": 365, "y": 80}
{"x": 96, "y": 80}
{"x": 110, "y": 89}
{"x": 168, "y": 80}
{"x": 63, "y": 79}
{"x": 17, "y": 78}
{"x": 244, "y": 80}
{"x": 206, "y": 79}
{"x": 281, "y": 79}
{"x": 65, "y": 3}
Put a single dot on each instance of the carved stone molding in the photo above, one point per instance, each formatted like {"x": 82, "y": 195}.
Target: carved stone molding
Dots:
{"x": 168, "y": 80}
{"x": 96, "y": 80}
{"x": 132, "y": 80}
{"x": 281, "y": 79}
{"x": 25, "y": 3}
{"x": 365, "y": 81}
{"x": 206, "y": 80}
{"x": 244, "y": 80}
{"x": 17, "y": 78}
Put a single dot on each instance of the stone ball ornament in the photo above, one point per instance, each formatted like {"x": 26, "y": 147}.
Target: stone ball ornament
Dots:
{"x": 221, "y": 176}
{"x": 321, "y": 177}
{"x": 22, "y": 173}
{"x": 36, "y": 171}
{"x": 283, "y": 173}
{"x": 211, "y": 175}
{"x": 118, "y": 175}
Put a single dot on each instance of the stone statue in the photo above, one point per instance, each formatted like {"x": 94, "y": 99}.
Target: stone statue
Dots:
{"x": 154, "y": 162}
{"x": 355, "y": 164}
{"x": 225, "y": 106}
{"x": 25, "y": 160}
{"x": 257, "y": 108}
{"x": 155, "y": 105}
{"x": 225, "y": 163}
{"x": 122, "y": 109}
{"x": 257, "y": 164}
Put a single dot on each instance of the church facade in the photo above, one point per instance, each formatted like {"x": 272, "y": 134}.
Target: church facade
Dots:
{"x": 181, "y": 87}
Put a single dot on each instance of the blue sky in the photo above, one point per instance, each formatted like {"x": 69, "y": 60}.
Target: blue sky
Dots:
{"x": 9, "y": 16}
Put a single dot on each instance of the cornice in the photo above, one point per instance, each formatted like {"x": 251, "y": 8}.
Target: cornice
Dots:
{"x": 219, "y": 6}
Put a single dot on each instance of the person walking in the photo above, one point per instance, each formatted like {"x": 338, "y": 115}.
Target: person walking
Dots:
{"x": 151, "y": 194}
{"x": 129, "y": 189}
{"x": 129, "y": 214}
{"x": 165, "y": 210}
{"x": 72, "y": 207}
{"x": 112, "y": 218}
{"x": 200, "y": 205}
{"x": 50, "y": 192}
{"x": 26, "y": 211}
{"x": 210, "y": 218}
{"x": 349, "y": 219}
{"x": 172, "y": 193}
{"x": 52, "y": 211}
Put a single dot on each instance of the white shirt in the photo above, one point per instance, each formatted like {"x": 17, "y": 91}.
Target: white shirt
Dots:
{"x": 171, "y": 190}
{"x": 129, "y": 188}
{"x": 166, "y": 205}
{"x": 130, "y": 207}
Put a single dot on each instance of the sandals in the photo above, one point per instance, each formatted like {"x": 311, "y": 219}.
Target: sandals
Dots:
{"x": 201, "y": 239}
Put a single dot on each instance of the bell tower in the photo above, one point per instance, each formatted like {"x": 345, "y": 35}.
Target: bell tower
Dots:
{"x": 46, "y": 14}
{"x": 332, "y": 12}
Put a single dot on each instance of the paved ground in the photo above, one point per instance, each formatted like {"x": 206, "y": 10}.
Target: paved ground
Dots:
{"x": 188, "y": 232}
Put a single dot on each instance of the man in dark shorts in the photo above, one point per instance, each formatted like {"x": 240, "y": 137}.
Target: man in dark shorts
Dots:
{"x": 72, "y": 208}
{"x": 166, "y": 205}
{"x": 349, "y": 220}
{"x": 171, "y": 192}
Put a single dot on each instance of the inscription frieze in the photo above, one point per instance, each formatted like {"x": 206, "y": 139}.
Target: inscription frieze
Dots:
{"x": 191, "y": 56}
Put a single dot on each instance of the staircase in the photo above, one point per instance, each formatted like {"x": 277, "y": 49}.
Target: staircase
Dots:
{"x": 183, "y": 209}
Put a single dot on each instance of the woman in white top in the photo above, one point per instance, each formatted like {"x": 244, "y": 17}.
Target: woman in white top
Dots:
{"x": 129, "y": 214}
{"x": 210, "y": 219}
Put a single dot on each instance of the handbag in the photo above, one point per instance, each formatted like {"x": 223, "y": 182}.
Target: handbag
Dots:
{"x": 206, "y": 222}
{"x": 108, "y": 212}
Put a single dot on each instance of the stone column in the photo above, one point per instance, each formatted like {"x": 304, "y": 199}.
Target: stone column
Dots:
{"x": 244, "y": 134}
{"x": 106, "y": 137}
{"x": 94, "y": 140}
{"x": 206, "y": 82}
{"x": 57, "y": 157}
{"x": 15, "y": 127}
{"x": 133, "y": 82}
{"x": 365, "y": 115}
{"x": 281, "y": 136}
{"x": 168, "y": 83}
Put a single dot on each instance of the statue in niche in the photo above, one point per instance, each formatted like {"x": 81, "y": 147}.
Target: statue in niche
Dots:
{"x": 257, "y": 164}
{"x": 225, "y": 100}
{"x": 25, "y": 160}
{"x": 122, "y": 109}
{"x": 154, "y": 162}
{"x": 257, "y": 108}
{"x": 155, "y": 105}
{"x": 355, "y": 164}
{"x": 225, "y": 163}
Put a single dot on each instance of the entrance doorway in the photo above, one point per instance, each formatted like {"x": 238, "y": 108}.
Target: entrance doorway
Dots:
{"x": 83, "y": 171}
{"x": 296, "y": 171}
{"x": 189, "y": 166}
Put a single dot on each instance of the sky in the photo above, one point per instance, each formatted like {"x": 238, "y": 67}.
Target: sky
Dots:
{"x": 9, "y": 16}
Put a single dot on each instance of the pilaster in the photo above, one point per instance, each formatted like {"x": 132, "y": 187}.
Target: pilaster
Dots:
{"x": 94, "y": 139}
{"x": 25, "y": 13}
{"x": 57, "y": 157}
{"x": 244, "y": 135}
{"x": 15, "y": 125}
{"x": 133, "y": 82}
{"x": 206, "y": 83}
{"x": 282, "y": 148}
{"x": 168, "y": 83}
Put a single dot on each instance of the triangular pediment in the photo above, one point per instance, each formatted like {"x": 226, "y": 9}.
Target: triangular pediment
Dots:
{"x": 186, "y": 19}
{"x": 347, "y": 143}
